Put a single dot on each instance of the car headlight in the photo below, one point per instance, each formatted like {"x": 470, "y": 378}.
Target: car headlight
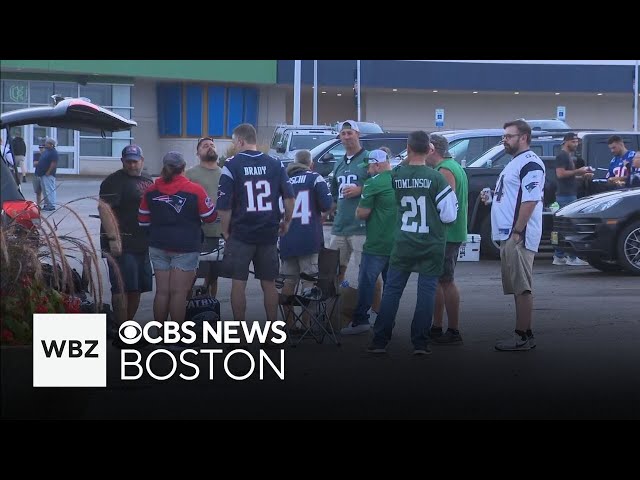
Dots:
{"x": 600, "y": 207}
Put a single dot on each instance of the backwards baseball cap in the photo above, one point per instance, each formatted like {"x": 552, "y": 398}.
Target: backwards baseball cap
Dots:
{"x": 569, "y": 136}
{"x": 376, "y": 156}
{"x": 173, "y": 159}
{"x": 350, "y": 124}
{"x": 132, "y": 152}
{"x": 440, "y": 144}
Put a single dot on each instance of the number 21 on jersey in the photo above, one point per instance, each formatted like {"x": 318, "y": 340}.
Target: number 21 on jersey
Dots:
{"x": 418, "y": 208}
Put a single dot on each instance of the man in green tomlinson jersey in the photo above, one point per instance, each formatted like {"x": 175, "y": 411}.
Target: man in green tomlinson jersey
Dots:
{"x": 426, "y": 203}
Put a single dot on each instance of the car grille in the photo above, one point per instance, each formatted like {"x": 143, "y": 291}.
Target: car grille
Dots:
{"x": 575, "y": 226}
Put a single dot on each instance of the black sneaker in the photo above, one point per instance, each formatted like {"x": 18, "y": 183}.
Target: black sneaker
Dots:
{"x": 435, "y": 332}
{"x": 24, "y": 179}
{"x": 376, "y": 349}
{"x": 422, "y": 351}
{"x": 449, "y": 338}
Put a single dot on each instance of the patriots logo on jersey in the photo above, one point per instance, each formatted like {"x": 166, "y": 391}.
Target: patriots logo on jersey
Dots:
{"x": 221, "y": 193}
{"x": 175, "y": 201}
{"x": 531, "y": 186}
{"x": 208, "y": 202}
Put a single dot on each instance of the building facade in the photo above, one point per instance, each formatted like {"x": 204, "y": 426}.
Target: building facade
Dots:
{"x": 175, "y": 102}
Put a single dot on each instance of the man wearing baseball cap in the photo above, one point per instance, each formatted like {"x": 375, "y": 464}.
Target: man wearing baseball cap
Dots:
{"x": 377, "y": 207}
{"x": 349, "y": 175}
{"x": 567, "y": 187}
{"x": 120, "y": 235}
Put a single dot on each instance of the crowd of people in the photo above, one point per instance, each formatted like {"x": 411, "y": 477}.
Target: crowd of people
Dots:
{"x": 388, "y": 223}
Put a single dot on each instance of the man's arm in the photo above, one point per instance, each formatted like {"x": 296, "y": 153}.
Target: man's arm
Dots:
{"x": 526, "y": 210}
{"x": 108, "y": 200}
{"x": 363, "y": 213}
{"x": 531, "y": 186}
{"x": 52, "y": 165}
{"x": 288, "y": 215}
{"x": 225, "y": 221}
{"x": 448, "y": 175}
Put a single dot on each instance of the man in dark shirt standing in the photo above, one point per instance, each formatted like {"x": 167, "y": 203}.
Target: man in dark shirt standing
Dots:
{"x": 248, "y": 200}
{"x": 122, "y": 237}
{"x": 567, "y": 191}
{"x": 19, "y": 149}
{"x": 46, "y": 172}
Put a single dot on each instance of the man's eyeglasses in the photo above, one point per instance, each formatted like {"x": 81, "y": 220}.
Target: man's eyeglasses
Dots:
{"x": 509, "y": 136}
{"x": 203, "y": 139}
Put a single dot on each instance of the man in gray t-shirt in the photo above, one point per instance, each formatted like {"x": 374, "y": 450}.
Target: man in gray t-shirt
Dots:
{"x": 567, "y": 180}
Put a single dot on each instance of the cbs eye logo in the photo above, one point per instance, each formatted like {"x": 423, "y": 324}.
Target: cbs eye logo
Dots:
{"x": 130, "y": 332}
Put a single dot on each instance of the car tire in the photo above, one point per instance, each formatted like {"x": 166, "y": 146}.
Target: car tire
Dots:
{"x": 629, "y": 247}
{"x": 488, "y": 247}
{"x": 603, "y": 266}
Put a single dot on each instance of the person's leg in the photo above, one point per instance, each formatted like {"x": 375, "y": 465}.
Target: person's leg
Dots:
{"x": 370, "y": 268}
{"x": 49, "y": 188}
{"x": 438, "y": 309}
{"x": 265, "y": 263}
{"x": 559, "y": 256}
{"x": 377, "y": 295}
{"x": 356, "y": 244}
{"x": 340, "y": 242}
{"x": 183, "y": 270}
{"x": 161, "y": 266}
{"x": 37, "y": 188}
{"x": 235, "y": 265}
{"x": 118, "y": 299}
{"x": 393, "y": 289}
{"x": 290, "y": 269}
{"x": 423, "y": 313}
{"x": 133, "y": 302}
{"x": 450, "y": 296}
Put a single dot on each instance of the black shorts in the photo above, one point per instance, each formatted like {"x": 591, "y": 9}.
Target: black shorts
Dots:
{"x": 451, "y": 252}
{"x": 209, "y": 269}
{"x": 238, "y": 255}
{"x": 135, "y": 269}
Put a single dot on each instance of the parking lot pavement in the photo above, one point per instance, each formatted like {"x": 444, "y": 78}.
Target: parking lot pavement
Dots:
{"x": 586, "y": 364}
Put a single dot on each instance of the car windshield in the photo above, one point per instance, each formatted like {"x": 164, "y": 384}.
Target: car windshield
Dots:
{"x": 487, "y": 158}
{"x": 307, "y": 142}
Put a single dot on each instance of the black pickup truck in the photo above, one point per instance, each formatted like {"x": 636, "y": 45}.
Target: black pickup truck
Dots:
{"x": 484, "y": 171}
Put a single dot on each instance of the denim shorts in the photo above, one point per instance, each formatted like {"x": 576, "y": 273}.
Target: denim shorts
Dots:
{"x": 163, "y": 260}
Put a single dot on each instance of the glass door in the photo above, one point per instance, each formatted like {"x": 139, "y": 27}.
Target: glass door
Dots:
{"x": 67, "y": 147}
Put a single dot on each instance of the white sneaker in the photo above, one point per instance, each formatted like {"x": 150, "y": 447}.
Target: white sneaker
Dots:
{"x": 559, "y": 260}
{"x": 372, "y": 317}
{"x": 515, "y": 343}
{"x": 355, "y": 329}
{"x": 576, "y": 262}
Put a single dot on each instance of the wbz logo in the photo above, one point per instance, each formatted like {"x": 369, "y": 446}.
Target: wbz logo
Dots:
{"x": 69, "y": 350}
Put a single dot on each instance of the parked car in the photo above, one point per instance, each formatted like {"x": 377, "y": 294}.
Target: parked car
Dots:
{"x": 288, "y": 138}
{"x": 549, "y": 124}
{"x": 603, "y": 229}
{"x": 364, "y": 127}
{"x": 467, "y": 145}
{"x": 324, "y": 155}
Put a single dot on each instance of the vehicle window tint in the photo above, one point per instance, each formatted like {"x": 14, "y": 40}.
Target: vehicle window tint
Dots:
{"x": 476, "y": 148}
{"x": 501, "y": 160}
{"x": 556, "y": 149}
{"x": 276, "y": 138}
{"x": 537, "y": 149}
{"x": 458, "y": 149}
{"x": 307, "y": 142}
{"x": 600, "y": 156}
{"x": 396, "y": 145}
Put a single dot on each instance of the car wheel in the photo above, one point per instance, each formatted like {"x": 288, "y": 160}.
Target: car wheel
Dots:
{"x": 488, "y": 247}
{"x": 603, "y": 266}
{"x": 629, "y": 248}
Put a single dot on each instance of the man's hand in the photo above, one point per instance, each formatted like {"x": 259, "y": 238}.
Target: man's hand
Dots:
{"x": 115, "y": 247}
{"x": 588, "y": 176}
{"x": 351, "y": 191}
{"x": 486, "y": 196}
{"x": 225, "y": 236}
{"x": 284, "y": 228}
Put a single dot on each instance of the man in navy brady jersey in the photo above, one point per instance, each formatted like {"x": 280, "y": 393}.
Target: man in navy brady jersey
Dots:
{"x": 620, "y": 166}
{"x": 251, "y": 185}
{"x": 299, "y": 248}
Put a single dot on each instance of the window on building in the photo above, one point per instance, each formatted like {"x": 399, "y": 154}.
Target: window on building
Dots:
{"x": 195, "y": 110}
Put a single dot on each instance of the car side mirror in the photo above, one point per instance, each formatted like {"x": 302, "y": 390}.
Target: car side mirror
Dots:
{"x": 327, "y": 158}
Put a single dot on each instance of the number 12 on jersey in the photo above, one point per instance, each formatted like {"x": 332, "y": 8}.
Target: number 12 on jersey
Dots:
{"x": 257, "y": 196}
{"x": 418, "y": 209}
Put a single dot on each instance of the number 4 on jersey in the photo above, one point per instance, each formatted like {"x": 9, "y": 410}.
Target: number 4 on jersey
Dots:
{"x": 301, "y": 208}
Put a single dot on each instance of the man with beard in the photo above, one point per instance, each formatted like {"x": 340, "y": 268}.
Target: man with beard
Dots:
{"x": 122, "y": 238}
{"x": 516, "y": 221}
{"x": 567, "y": 191}
{"x": 207, "y": 173}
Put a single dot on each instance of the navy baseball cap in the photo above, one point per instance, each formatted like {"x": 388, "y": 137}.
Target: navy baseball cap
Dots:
{"x": 132, "y": 152}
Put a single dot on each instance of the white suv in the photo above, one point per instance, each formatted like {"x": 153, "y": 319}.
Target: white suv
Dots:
{"x": 288, "y": 138}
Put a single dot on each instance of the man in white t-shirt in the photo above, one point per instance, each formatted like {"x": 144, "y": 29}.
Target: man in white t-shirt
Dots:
{"x": 516, "y": 221}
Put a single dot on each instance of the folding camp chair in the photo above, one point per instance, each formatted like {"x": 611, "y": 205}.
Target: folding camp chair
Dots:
{"x": 314, "y": 304}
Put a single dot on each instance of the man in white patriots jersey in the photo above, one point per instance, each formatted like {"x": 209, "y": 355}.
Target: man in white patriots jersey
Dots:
{"x": 516, "y": 221}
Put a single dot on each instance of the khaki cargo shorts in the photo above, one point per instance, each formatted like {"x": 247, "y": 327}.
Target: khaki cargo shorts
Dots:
{"x": 517, "y": 267}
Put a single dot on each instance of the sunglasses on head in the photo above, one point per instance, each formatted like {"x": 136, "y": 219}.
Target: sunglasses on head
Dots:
{"x": 203, "y": 139}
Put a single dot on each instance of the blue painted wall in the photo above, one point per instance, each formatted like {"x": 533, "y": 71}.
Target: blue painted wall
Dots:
{"x": 465, "y": 76}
